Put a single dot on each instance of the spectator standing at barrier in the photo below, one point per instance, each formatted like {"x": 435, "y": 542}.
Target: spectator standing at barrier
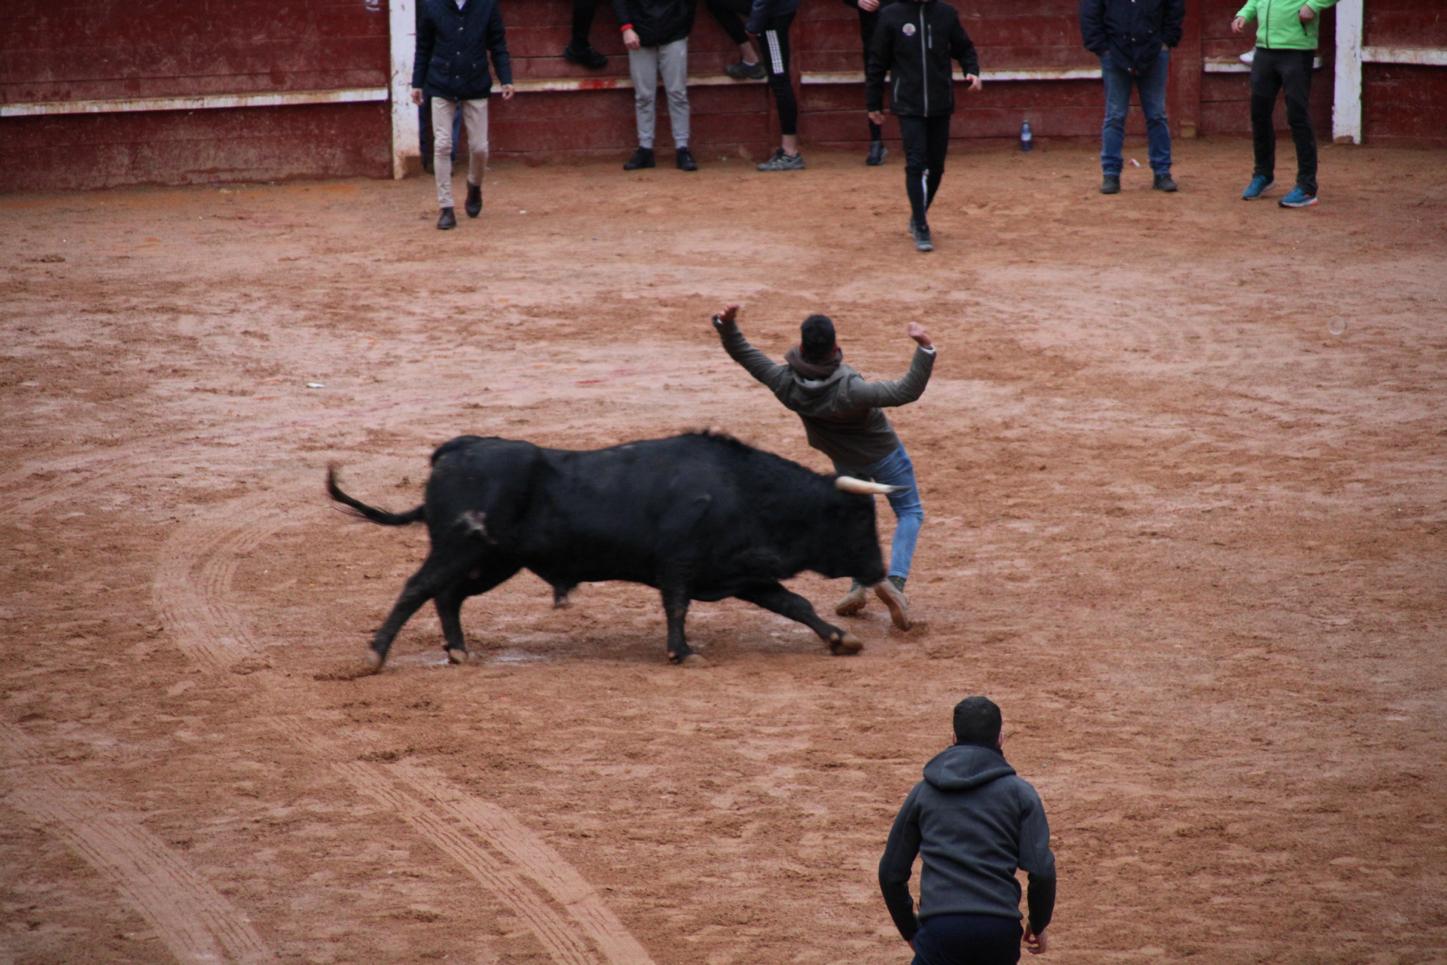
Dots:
{"x": 842, "y": 417}
{"x": 580, "y": 50}
{"x": 913, "y": 42}
{"x": 868, "y": 18}
{"x": 1286, "y": 38}
{"x": 975, "y": 822}
{"x": 768, "y": 21}
{"x": 1133, "y": 39}
{"x": 730, "y": 15}
{"x": 454, "y": 39}
{"x": 656, "y": 35}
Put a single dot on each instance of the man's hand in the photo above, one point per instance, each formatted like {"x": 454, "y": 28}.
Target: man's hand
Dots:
{"x": 417, "y": 96}
{"x": 507, "y": 92}
{"x": 975, "y": 82}
{"x": 917, "y": 332}
{"x": 1238, "y": 25}
{"x": 1306, "y": 14}
{"x": 727, "y": 317}
{"x": 630, "y": 39}
{"x": 876, "y": 117}
{"x": 1035, "y": 944}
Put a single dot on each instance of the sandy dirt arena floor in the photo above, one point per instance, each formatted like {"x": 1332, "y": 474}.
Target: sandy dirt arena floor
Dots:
{"x": 1184, "y": 461}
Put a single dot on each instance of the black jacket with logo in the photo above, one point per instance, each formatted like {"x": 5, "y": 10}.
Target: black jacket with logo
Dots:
{"x": 452, "y": 49}
{"x": 914, "y": 43}
{"x": 657, "y": 22}
{"x": 1132, "y": 30}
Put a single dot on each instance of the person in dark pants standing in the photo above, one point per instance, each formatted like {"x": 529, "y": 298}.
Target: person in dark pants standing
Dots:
{"x": 1286, "y": 37}
{"x": 454, "y": 40}
{"x": 868, "y": 18}
{"x": 730, "y": 14}
{"x": 1133, "y": 38}
{"x": 580, "y": 50}
{"x": 913, "y": 43}
{"x": 768, "y": 21}
{"x": 975, "y": 822}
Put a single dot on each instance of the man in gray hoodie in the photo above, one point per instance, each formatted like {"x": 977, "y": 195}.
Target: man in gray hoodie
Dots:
{"x": 841, "y": 413}
{"x": 975, "y": 822}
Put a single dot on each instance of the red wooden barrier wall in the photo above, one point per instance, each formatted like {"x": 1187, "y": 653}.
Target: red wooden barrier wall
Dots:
{"x": 1402, "y": 103}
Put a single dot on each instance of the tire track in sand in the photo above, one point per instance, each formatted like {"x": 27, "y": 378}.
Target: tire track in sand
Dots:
{"x": 191, "y": 918}
{"x": 512, "y": 864}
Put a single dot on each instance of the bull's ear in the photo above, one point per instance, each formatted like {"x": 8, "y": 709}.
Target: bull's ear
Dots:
{"x": 863, "y": 487}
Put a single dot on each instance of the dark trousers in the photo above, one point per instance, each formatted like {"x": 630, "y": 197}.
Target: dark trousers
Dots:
{"x": 926, "y": 142}
{"x": 967, "y": 940}
{"x": 774, "y": 51}
{"x": 867, "y": 20}
{"x": 583, "y": 11}
{"x": 1273, "y": 71}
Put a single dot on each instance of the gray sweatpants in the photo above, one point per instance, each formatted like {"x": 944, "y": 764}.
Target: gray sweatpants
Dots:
{"x": 474, "y": 118}
{"x": 645, "y": 65}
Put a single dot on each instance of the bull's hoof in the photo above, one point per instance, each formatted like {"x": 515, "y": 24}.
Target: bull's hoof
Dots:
{"x": 458, "y": 655}
{"x": 693, "y": 661}
{"x": 846, "y": 646}
{"x": 375, "y": 660}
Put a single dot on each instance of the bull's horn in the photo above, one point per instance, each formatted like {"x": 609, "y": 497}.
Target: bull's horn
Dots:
{"x": 863, "y": 487}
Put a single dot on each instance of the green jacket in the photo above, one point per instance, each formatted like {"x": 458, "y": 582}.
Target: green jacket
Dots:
{"x": 1278, "y": 25}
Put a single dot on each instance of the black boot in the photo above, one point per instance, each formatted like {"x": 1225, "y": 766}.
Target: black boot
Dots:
{"x": 473, "y": 205}
{"x": 446, "y": 220}
{"x": 642, "y": 158}
{"x": 876, "y": 154}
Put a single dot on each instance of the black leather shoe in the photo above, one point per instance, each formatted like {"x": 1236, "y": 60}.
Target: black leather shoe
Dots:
{"x": 1164, "y": 182}
{"x": 584, "y": 57}
{"x": 685, "y": 160}
{"x": 1110, "y": 184}
{"x": 473, "y": 205}
{"x": 446, "y": 220}
{"x": 877, "y": 154}
{"x": 642, "y": 158}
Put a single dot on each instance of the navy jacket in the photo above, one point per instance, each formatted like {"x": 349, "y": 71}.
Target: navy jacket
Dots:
{"x": 762, "y": 10}
{"x": 914, "y": 42}
{"x": 657, "y": 22}
{"x": 452, "y": 49}
{"x": 1132, "y": 31}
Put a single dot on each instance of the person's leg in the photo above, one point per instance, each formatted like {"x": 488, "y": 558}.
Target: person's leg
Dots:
{"x": 1296, "y": 82}
{"x": 727, "y": 15}
{"x": 579, "y": 49}
{"x": 1152, "y": 86}
{"x": 1265, "y": 83}
{"x": 867, "y": 20}
{"x": 937, "y": 146}
{"x": 968, "y": 940}
{"x": 673, "y": 66}
{"x": 643, "y": 69}
{"x": 474, "y": 115}
{"x": 1117, "y": 103}
{"x": 442, "y": 112}
{"x": 914, "y": 132}
{"x": 897, "y": 469}
{"x": 775, "y": 41}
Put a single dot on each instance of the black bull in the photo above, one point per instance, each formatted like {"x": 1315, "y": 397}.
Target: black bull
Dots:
{"x": 698, "y": 516}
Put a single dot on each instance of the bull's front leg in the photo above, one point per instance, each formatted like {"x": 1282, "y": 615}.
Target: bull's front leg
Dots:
{"x": 776, "y": 598}
{"x": 675, "y": 611}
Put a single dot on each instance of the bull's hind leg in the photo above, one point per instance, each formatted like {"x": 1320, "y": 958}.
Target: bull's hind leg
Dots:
{"x": 449, "y": 600}
{"x": 675, "y": 610}
{"x": 775, "y": 597}
{"x": 438, "y": 573}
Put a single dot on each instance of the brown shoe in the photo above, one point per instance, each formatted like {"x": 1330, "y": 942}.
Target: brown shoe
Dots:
{"x": 853, "y": 601}
{"x": 894, "y": 598}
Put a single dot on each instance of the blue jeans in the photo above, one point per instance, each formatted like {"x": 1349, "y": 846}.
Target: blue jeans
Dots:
{"x": 1152, "y": 86}
{"x": 896, "y": 469}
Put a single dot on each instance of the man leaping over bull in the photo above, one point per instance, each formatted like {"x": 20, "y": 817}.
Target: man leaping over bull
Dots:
{"x": 841, "y": 413}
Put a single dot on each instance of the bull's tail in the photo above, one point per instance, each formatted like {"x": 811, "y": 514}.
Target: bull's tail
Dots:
{"x": 360, "y": 508}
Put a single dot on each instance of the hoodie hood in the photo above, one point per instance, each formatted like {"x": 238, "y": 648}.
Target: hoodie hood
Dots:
{"x": 965, "y": 766}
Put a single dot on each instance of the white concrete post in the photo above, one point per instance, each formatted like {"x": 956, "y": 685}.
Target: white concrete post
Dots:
{"x": 402, "y": 23}
{"x": 1346, "y": 105}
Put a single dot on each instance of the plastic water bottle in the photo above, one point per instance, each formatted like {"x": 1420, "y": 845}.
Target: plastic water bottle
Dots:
{"x": 1027, "y": 140}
